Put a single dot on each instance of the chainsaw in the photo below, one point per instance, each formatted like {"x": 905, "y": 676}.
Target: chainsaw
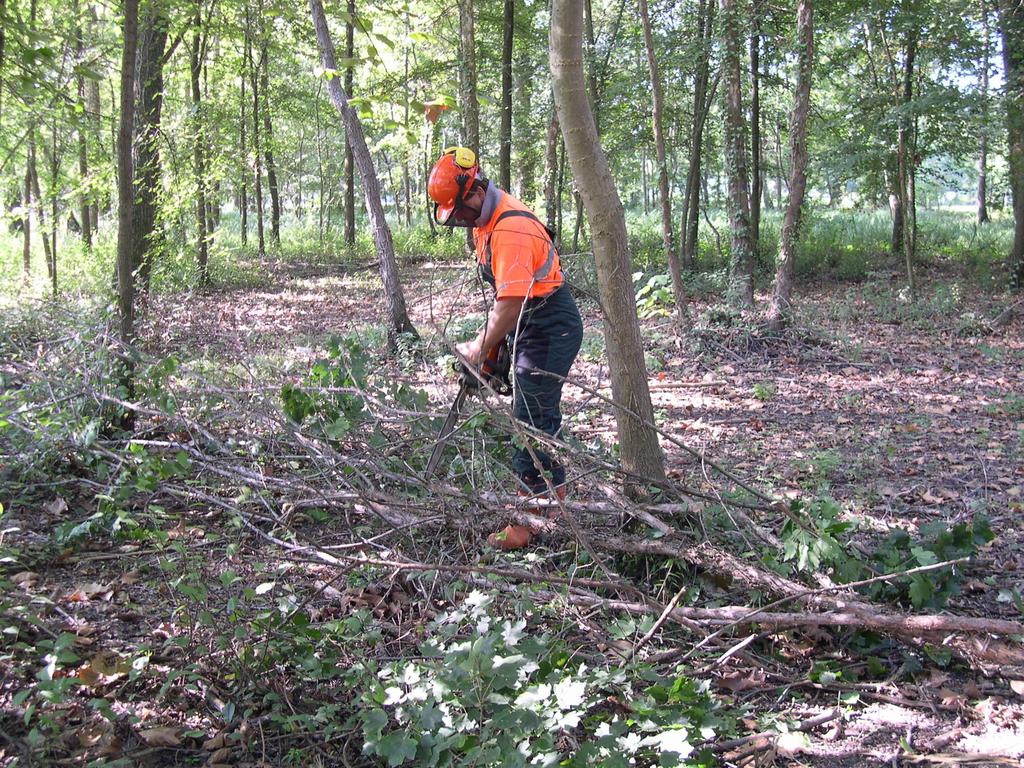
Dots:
{"x": 493, "y": 374}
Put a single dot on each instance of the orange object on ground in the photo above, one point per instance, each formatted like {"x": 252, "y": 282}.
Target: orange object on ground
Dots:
{"x": 511, "y": 537}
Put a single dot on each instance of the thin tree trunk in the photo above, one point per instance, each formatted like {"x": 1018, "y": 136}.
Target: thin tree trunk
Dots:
{"x": 243, "y": 193}
{"x": 560, "y": 187}
{"x": 83, "y": 145}
{"x": 125, "y": 181}
{"x": 321, "y": 178}
{"x": 54, "y": 202}
{"x": 257, "y": 147}
{"x": 741, "y": 267}
{"x": 671, "y": 256}
{"x": 755, "y": 125}
{"x": 904, "y": 160}
{"x": 399, "y": 318}
{"x": 783, "y": 291}
{"x": 350, "y": 168}
{"x": 1011, "y": 20}
{"x": 779, "y": 168}
{"x": 525, "y": 139}
{"x": 268, "y": 144}
{"x": 199, "y": 145}
{"x": 551, "y": 171}
{"x": 505, "y": 129}
{"x": 40, "y": 208}
{"x": 467, "y": 71}
{"x": 702, "y": 100}
{"x": 26, "y": 231}
{"x": 640, "y": 452}
{"x": 983, "y": 131}
{"x": 3, "y": 61}
{"x": 93, "y": 121}
{"x": 149, "y": 86}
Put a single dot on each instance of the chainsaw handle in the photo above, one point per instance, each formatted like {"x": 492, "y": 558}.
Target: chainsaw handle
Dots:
{"x": 494, "y": 371}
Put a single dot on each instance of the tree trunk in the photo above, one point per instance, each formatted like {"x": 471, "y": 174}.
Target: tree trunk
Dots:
{"x": 125, "y": 185}
{"x": 149, "y": 87}
{"x": 467, "y": 72}
{"x": 640, "y": 452}
{"x": 83, "y": 145}
{"x": 37, "y": 194}
{"x": 257, "y": 147}
{"x": 551, "y": 172}
{"x": 671, "y": 257}
{"x": 243, "y": 192}
{"x": 755, "y": 126}
{"x": 3, "y": 14}
{"x": 525, "y": 139}
{"x": 93, "y": 119}
{"x": 702, "y": 100}
{"x": 399, "y": 318}
{"x": 505, "y": 129}
{"x": 54, "y": 202}
{"x": 350, "y": 168}
{"x": 741, "y": 267}
{"x": 26, "y": 231}
{"x": 1011, "y": 19}
{"x": 268, "y": 144}
{"x": 983, "y": 131}
{"x": 783, "y": 291}
{"x": 905, "y": 161}
{"x": 199, "y": 145}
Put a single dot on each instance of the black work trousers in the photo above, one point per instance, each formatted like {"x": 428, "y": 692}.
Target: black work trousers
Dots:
{"x": 547, "y": 342}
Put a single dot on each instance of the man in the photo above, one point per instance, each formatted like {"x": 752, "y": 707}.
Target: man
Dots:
{"x": 533, "y": 308}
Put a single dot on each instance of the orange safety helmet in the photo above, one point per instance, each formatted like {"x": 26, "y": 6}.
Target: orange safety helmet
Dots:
{"x": 451, "y": 179}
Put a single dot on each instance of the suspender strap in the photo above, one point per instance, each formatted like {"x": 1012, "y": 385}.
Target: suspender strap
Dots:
{"x": 548, "y": 262}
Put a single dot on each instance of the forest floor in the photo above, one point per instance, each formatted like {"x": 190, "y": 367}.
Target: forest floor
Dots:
{"x": 903, "y": 414}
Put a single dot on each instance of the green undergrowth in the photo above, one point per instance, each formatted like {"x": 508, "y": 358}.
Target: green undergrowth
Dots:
{"x": 488, "y": 676}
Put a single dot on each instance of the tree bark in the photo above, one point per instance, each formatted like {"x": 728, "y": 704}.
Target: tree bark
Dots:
{"x": 257, "y": 147}
{"x": 640, "y": 452}
{"x": 149, "y": 88}
{"x": 755, "y": 125}
{"x": 664, "y": 198}
{"x": 37, "y": 194}
{"x": 3, "y": 61}
{"x": 525, "y": 139}
{"x": 26, "y": 231}
{"x": 505, "y": 129}
{"x": 467, "y": 72}
{"x": 783, "y": 291}
{"x": 905, "y": 161}
{"x": 399, "y": 318}
{"x": 983, "y": 130}
{"x": 1011, "y": 20}
{"x": 243, "y": 192}
{"x": 93, "y": 120}
{"x": 551, "y": 172}
{"x": 702, "y": 99}
{"x": 741, "y": 267}
{"x": 350, "y": 168}
{"x": 268, "y": 143}
{"x": 83, "y": 144}
{"x": 199, "y": 146}
{"x": 125, "y": 173}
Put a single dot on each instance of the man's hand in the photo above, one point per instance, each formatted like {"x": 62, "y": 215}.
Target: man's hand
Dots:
{"x": 471, "y": 351}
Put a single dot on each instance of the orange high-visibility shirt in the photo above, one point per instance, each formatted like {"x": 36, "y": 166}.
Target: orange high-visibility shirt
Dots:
{"x": 518, "y": 252}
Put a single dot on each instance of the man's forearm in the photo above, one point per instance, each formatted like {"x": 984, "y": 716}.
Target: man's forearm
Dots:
{"x": 500, "y": 321}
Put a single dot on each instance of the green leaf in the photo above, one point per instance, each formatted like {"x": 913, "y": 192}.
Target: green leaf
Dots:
{"x": 920, "y": 591}
{"x": 396, "y": 748}
{"x": 924, "y": 556}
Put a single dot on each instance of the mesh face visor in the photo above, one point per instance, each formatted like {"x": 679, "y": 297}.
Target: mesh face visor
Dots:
{"x": 450, "y": 180}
